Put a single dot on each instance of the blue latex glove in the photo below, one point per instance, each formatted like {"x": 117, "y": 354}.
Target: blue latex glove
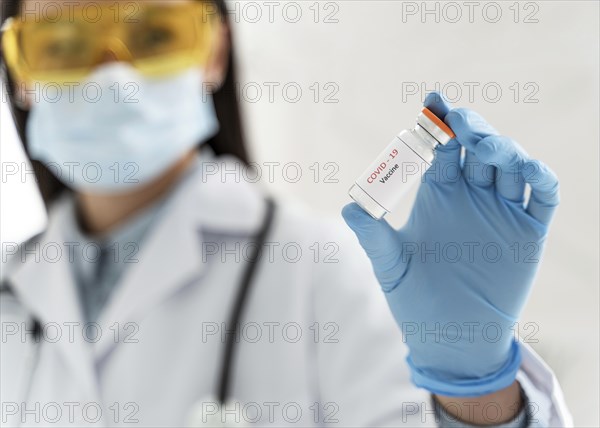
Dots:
{"x": 457, "y": 276}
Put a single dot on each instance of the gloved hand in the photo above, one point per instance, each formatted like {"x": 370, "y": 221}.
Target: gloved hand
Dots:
{"x": 457, "y": 275}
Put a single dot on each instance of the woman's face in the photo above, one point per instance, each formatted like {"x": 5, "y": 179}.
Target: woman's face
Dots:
{"x": 214, "y": 70}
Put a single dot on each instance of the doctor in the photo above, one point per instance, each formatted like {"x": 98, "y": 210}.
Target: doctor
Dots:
{"x": 146, "y": 303}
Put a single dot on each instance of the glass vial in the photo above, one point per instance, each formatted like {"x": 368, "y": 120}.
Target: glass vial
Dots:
{"x": 404, "y": 161}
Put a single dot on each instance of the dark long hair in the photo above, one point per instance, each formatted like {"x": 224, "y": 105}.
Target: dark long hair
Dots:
{"x": 229, "y": 139}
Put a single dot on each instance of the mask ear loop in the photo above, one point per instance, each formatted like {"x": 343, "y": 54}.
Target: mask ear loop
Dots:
{"x": 19, "y": 101}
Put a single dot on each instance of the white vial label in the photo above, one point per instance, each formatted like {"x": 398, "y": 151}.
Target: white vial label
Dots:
{"x": 392, "y": 174}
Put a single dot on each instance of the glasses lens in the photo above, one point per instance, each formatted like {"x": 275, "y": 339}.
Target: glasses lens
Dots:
{"x": 57, "y": 46}
{"x": 161, "y": 31}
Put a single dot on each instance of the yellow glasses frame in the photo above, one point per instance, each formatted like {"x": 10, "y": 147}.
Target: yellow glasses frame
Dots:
{"x": 204, "y": 16}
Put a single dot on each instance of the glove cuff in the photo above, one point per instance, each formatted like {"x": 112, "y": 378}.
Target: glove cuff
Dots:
{"x": 470, "y": 387}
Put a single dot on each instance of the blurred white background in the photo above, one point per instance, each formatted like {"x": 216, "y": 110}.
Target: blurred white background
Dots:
{"x": 532, "y": 71}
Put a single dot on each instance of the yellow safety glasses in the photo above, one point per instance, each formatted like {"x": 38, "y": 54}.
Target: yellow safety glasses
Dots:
{"x": 158, "y": 39}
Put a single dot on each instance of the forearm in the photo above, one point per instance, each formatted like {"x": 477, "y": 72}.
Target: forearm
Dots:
{"x": 493, "y": 409}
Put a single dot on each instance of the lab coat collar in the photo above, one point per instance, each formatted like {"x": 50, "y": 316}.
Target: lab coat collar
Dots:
{"x": 207, "y": 199}
{"x": 212, "y": 196}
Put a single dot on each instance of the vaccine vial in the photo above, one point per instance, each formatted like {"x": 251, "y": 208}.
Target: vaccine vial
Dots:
{"x": 404, "y": 161}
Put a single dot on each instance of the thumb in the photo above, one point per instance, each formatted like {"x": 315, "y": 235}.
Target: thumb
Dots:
{"x": 381, "y": 243}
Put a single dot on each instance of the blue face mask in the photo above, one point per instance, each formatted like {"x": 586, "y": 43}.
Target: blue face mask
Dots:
{"x": 118, "y": 129}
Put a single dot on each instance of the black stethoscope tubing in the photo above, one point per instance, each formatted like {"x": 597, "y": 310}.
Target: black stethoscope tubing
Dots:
{"x": 237, "y": 312}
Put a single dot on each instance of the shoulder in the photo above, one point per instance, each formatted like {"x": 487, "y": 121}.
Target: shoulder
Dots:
{"x": 333, "y": 253}
{"x": 296, "y": 220}
{"x": 15, "y": 255}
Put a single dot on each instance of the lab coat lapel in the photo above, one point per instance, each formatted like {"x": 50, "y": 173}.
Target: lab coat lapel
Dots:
{"x": 172, "y": 254}
{"x": 45, "y": 286}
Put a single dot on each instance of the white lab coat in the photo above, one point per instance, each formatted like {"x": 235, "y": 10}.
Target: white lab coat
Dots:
{"x": 157, "y": 353}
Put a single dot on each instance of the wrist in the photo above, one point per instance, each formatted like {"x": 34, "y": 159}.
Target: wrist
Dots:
{"x": 506, "y": 406}
{"x": 453, "y": 385}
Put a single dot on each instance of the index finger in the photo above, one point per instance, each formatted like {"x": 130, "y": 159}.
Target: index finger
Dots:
{"x": 469, "y": 127}
{"x": 545, "y": 195}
